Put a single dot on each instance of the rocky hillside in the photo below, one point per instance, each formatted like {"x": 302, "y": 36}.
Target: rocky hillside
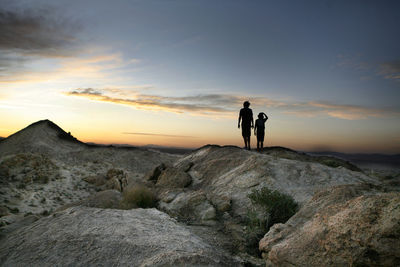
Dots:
{"x": 55, "y": 189}
{"x": 40, "y": 137}
{"x": 43, "y": 168}
{"x": 211, "y": 186}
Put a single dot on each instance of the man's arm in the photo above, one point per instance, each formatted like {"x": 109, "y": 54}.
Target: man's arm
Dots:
{"x": 255, "y": 129}
{"x": 252, "y": 121}
{"x": 240, "y": 117}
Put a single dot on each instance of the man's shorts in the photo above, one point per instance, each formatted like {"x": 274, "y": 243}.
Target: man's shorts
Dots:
{"x": 246, "y": 130}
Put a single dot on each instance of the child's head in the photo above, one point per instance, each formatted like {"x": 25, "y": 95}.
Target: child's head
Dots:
{"x": 260, "y": 115}
{"x": 246, "y": 104}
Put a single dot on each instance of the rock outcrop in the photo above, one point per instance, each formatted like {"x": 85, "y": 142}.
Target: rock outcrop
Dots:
{"x": 227, "y": 175}
{"x": 82, "y": 236}
{"x": 352, "y": 225}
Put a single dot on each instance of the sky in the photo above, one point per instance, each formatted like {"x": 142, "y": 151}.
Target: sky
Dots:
{"x": 176, "y": 72}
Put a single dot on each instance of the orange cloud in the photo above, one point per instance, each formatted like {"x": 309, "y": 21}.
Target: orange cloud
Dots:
{"x": 226, "y": 105}
{"x": 153, "y": 102}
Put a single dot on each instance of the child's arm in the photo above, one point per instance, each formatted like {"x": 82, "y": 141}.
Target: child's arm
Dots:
{"x": 255, "y": 129}
{"x": 266, "y": 117}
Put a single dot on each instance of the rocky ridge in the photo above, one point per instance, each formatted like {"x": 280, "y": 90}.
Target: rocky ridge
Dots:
{"x": 202, "y": 198}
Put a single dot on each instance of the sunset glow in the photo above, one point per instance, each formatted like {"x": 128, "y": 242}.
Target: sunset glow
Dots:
{"x": 175, "y": 73}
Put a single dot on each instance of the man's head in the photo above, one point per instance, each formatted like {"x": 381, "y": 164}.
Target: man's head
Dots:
{"x": 246, "y": 104}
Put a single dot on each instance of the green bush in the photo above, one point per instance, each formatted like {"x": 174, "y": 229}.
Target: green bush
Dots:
{"x": 138, "y": 197}
{"x": 280, "y": 207}
{"x": 270, "y": 207}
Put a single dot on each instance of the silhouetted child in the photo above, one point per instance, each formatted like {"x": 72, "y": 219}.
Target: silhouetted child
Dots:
{"x": 259, "y": 130}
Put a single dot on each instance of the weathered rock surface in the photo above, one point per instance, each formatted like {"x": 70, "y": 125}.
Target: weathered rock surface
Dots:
{"x": 107, "y": 199}
{"x": 223, "y": 177}
{"x": 173, "y": 177}
{"x": 82, "y": 236}
{"x": 351, "y": 225}
{"x": 227, "y": 175}
{"x": 192, "y": 206}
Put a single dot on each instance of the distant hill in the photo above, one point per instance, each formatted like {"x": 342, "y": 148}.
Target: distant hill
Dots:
{"x": 365, "y": 160}
{"x": 41, "y": 136}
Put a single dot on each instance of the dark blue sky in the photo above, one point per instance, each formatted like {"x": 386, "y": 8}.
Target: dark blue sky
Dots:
{"x": 311, "y": 50}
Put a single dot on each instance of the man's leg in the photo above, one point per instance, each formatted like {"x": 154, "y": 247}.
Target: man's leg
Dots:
{"x": 262, "y": 145}
{"x": 248, "y": 142}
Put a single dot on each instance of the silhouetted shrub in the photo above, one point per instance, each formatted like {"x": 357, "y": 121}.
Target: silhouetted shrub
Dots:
{"x": 138, "y": 197}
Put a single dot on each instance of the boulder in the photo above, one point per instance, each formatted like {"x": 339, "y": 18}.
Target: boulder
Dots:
{"x": 113, "y": 179}
{"x": 97, "y": 180}
{"x": 83, "y": 236}
{"x": 155, "y": 173}
{"x": 344, "y": 226}
{"x": 173, "y": 178}
{"x": 190, "y": 206}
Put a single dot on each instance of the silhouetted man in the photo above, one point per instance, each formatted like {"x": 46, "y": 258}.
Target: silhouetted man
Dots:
{"x": 246, "y": 115}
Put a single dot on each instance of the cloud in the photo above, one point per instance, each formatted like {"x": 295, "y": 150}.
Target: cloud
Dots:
{"x": 29, "y": 35}
{"x": 390, "y": 70}
{"x": 346, "y": 112}
{"x": 36, "y": 32}
{"x": 225, "y": 105}
{"x": 202, "y": 104}
{"x": 161, "y": 135}
{"x": 101, "y": 67}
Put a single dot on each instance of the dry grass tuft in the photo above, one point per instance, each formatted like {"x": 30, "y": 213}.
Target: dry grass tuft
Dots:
{"x": 138, "y": 197}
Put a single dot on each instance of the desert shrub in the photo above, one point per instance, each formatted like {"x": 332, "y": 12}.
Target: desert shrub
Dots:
{"x": 270, "y": 207}
{"x": 280, "y": 207}
{"x": 138, "y": 197}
